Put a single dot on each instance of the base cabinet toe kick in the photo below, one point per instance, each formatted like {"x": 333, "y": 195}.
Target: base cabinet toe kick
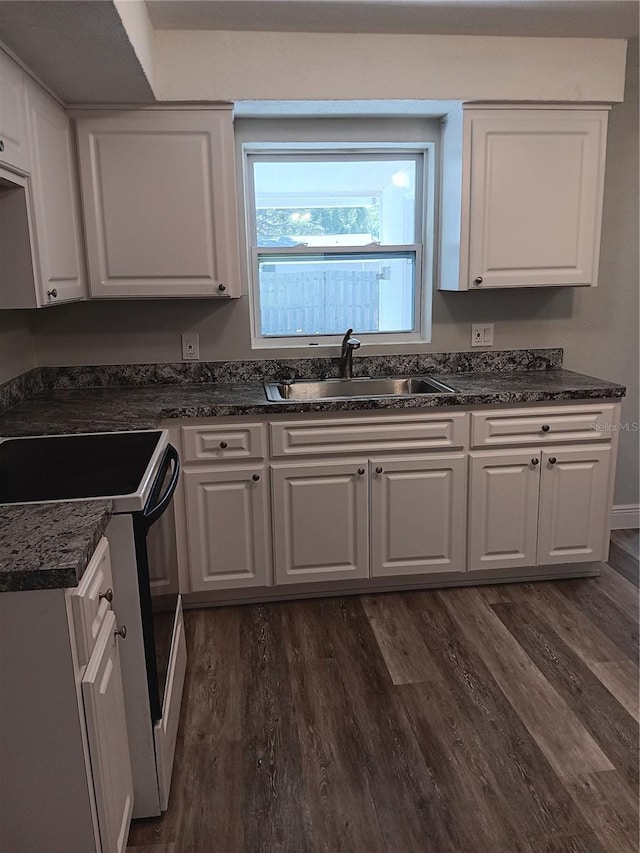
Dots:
{"x": 294, "y": 506}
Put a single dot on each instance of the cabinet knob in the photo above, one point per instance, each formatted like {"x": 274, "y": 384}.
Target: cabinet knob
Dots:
{"x": 121, "y": 632}
{"x": 361, "y": 471}
{"x": 478, "y": 280}
{"x": 535, "y": 461}
{"x": 1, "y": 145}
{"x": 108, "y": 595}
{"x": 545, "y": 427}
{"x": 552, "y": 460}
{"x": 52, "y": 293}
{"x": 222, "y": 288}
{"x": 379, "y": 469}
{"x": 255, "y": 478}
{"x": 224, "y": 445}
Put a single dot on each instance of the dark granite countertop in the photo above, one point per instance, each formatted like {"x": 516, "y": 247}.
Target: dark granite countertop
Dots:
{"x": 48, "y": 545}
{"x": 142, "y": 407}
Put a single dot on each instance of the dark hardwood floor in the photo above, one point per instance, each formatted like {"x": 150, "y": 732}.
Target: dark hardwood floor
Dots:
{"x": 496, "y": 719}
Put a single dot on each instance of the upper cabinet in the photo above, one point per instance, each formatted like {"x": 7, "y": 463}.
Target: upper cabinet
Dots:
{"x": 522, "y": 196}
{"x": 41, "y": 249}
{"x": 159, "y": 202}
{"x": 56, "y": 203}
{"x": 14, "y": 143}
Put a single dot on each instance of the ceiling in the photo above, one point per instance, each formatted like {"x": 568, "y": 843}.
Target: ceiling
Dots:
{"x": 79, "y": 48}
{"x": 562, "y": 18}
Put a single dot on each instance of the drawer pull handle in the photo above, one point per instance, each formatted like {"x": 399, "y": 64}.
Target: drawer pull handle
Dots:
{"x": 108, "y": 595}
{"x": 552, "y": 460}
{"x": 1, "y": 145}
{"x": 535, "y": 461}
{"x": 224, "y": 445}
{"x": 361, "y": 471}
{"x": 121, "y": 632}
{"x": 379, "y": 469}
{"x": 478, "y": 280}
{"x": 545, "y": 427}
{"x": 255, "y": 478}
{"x": 52, "y": 294}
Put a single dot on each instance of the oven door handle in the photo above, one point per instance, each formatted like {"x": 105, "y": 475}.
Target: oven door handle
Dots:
{"x": 153, "y": 511}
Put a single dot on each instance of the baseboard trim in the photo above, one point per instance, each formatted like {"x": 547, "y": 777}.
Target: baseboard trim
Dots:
{"x": 625, "y": 516}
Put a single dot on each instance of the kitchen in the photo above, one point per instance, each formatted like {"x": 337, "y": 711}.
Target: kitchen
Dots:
{"x": 46, "y": 351}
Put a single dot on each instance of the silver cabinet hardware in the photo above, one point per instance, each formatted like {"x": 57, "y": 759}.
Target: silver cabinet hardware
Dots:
{"x": 361, "y": 471}
{"x": 545, "y": 427}
{"x": 379, "y": 469}
{"x": 224, "y": 445}
{"x": 52, "y": 294}
{"x": 255, "y": 478}
{"x": 108, "y": 595}
{"x": 552, "y": 460}
{"x": 478, "y": 280}
{"x": 121, "y": 632}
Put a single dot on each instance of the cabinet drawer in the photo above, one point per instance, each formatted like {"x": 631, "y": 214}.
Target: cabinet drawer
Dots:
{"x": 90, "y": 601}
{"x": 206, "y": 444}
{"x": 542, "y": 426}
{"x": 305, "y": 438}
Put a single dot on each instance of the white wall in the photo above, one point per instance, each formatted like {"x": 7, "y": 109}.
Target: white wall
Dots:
{"x": 232, "y": 66}
{"x": 17, "y": 343}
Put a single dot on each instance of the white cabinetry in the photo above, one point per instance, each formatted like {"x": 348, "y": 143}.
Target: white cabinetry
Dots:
{"x": 65, "y": 771}
{"x": 320, "y": 521}
{"x": 534, "y": 506}
{"x": 522, "y": 196}
{"x": 228, "y": 527}
{"x": 226, "y": 506}
{"x": 159, "y": 202}
{"x": 14, "y": 142}
{"x": 418, "y": 514}
{"x": 58, "y": 234}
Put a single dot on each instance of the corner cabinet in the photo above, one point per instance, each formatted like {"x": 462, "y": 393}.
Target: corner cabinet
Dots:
{"x": 65, "y": 770}
{"x": 159, "y": 202}
{"x": 522, "y": 196}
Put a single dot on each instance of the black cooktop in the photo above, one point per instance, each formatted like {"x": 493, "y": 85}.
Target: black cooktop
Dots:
{"x": 61, "y": 467}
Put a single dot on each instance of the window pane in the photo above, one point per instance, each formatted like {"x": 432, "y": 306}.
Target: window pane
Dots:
{"x": 344, "y": 201}
{"x": 324, "y": 294}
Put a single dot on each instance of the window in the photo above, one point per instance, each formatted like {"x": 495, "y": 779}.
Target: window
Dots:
{"x": 336, "y": 239}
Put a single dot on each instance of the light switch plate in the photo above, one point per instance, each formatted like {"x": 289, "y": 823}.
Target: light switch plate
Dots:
{"x": 190, "y": 346}
{"x": 482, "y": 335}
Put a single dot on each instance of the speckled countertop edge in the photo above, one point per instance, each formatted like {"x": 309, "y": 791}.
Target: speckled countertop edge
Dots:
{"x": 48, "y": 545}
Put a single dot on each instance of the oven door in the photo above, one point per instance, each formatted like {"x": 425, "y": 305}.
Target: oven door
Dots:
{"x": 157, "y": 563}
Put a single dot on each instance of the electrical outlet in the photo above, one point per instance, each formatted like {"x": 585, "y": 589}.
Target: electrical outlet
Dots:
{"x": 190, "y": 346}
{"x": 482, "y": 335}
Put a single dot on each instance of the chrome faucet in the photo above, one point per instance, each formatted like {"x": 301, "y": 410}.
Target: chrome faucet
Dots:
{"x": 349, "y": 344}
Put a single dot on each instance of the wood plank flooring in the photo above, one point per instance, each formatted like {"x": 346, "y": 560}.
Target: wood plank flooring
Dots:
{"x": 479, "y": 720}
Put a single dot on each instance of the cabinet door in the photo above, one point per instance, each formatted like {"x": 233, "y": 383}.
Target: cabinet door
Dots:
{"x": 320, "y": 521}
{"x": 536, "y": 186}
{"x": 574, "y": 502}
{"x": 55, "y": 201}
{"x": 418, "y": 515}
{"x": 227, "y": 527}
{"x": 503, "y": 509}
{"x": 108, "y": 743}
{"x": 159, "y": 200}
{"x": 14, "y": 143}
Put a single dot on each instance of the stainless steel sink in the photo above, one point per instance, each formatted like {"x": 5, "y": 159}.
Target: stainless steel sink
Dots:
{"x": 347, "y": 389}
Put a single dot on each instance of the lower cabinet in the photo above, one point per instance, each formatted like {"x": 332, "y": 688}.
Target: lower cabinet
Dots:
{"x": 418, "y": 515}
{"x": 320, "y": 521}
{"x": 369, "y": 518}
{"x": 532, "y": 507}
{"x": 107, "y": 732}
{"x": 65, "y": 771}
{"x": 228, "y": 527}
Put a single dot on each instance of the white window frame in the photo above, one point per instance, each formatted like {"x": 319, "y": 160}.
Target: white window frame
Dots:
{"x": 425, "y": 201}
